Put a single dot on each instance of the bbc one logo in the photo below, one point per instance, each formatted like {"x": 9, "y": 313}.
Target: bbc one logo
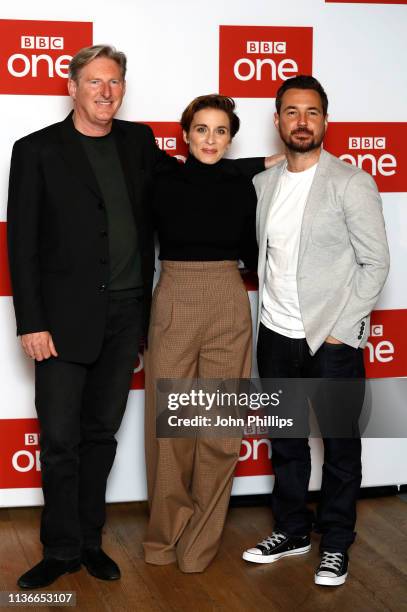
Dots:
{"x": 381, "y": 350}
{"x": 255, "y": 60}
{"x": 385, "y": 354}
{"x": 246, "y": 68}
{"x": 35, "y": 55}
{"x": 170, "y": 145}
{"x": 138, "y": 378}
{"x": 255, "y": 458}
{"x": 19, "y": 440}
{"x": 167, "y": 143}
{"x": 370, "y": 151}
{"x": 377, "y": 148}
{"x": 168, "y": 136}
{"x": 25, "y": 460}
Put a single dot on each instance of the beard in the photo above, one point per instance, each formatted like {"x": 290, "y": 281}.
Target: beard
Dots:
{"x": 303, "y": 146}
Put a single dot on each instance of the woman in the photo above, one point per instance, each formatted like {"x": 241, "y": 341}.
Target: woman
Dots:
{"x": 200, "y": 328}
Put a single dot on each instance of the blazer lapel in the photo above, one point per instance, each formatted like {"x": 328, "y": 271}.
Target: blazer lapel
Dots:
{"x": 268, "y": 198}
{"x": 316, "y": 197}
{"x": 74, "y": 154}
{"x": 266, "y": 201}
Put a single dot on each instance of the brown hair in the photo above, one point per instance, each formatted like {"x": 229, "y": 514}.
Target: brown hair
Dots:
{"x": 88, "y": 54}
{"x": 217, "y": 101}
{"x": 302, "y": 81}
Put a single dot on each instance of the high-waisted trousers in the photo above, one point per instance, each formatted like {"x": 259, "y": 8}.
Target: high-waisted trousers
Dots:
{"x": 200, "y": 328}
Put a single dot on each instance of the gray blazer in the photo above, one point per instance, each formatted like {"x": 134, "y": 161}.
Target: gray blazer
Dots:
{"x": 343, "y": 258}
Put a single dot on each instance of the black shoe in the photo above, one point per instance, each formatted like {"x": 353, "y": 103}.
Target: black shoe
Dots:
{"x": 276, "y": 546}
{"x": 47, "y": 571}
{"x": 99, "y": 564}
{"x": 333, "y": 569}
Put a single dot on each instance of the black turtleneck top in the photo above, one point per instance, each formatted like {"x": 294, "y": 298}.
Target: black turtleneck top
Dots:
{"x": 206, "y": 212}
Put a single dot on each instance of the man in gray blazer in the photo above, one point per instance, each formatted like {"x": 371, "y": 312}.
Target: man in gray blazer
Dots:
{"x": 323, "y": 260}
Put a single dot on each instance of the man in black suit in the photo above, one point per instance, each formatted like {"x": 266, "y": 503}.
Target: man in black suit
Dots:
{"x": 81, "y": 254}
{"x": 82, "y": 261}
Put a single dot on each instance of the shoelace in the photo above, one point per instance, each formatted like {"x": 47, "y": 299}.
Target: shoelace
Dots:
{"x": 272, "y": 540}
{"x": 331, "y": 560}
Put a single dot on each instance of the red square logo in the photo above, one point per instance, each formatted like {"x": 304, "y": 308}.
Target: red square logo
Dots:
{"x": 386, "y": 350}
{"x": 255, "y": 60}
{"x": 255, "y": 457}
{"x": 168, "y": 136}
{"x": 20, "y": 451}
{"x": 138, "y": 378}
{"x": 250, "y": 279}
{"x": 35, "y": 55}
{"x": 377, "y": 148}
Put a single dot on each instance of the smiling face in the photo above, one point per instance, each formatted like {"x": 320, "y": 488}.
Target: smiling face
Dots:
{"x": 301, "y": 122}
{"x": 209, "y": 135}
{"x": 97, "y": 96}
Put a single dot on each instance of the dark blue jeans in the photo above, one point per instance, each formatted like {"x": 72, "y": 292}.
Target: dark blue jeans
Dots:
{"x": 80, "y": 408}
{"x": 282, "y": 357}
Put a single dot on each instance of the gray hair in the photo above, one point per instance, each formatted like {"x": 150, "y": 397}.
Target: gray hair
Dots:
{"x": 88, "y": 54}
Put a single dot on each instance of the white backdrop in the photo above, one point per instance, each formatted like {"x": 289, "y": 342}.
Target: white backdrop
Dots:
{"x": 358, "y": 54}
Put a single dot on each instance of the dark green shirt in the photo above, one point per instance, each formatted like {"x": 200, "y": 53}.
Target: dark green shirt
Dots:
{"x": 124, "y": 255}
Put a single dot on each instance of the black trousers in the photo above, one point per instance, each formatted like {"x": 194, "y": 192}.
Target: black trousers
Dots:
{"x": 80, "y": 408}
{"x": 282, "y": 357}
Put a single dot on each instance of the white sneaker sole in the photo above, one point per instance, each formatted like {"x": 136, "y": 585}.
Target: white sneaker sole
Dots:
{"x": 271, "y": 558}
{"x": 326, "y": 581}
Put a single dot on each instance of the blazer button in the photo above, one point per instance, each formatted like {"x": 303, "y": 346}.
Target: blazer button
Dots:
{"x": 101, "y": 206}
{"x": 103, "y": 260}
{"x": 103, "y": 233}
{"x": 102, "y": 287}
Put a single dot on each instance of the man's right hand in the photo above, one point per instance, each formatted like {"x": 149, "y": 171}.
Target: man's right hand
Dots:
{"x": 38, "y": 345}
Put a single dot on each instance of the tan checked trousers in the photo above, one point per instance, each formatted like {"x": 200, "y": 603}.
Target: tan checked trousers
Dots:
{"x": 200, "y": 328}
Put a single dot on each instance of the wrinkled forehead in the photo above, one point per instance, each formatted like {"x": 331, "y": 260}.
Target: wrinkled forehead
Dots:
{"x": 101, "y": 67}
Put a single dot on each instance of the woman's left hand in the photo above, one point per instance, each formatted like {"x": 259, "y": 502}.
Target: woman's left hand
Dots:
{"x": 272, "y": 160}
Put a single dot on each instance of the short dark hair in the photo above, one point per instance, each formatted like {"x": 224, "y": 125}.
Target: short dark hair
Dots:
{"x": 217, "y": 101}
{"x": 302, "y": 81}
{"x": 88, "y": 54}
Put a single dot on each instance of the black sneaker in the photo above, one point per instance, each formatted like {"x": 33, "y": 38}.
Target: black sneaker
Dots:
{"x": 276, "y": 546}
{"x": 333, "y": 569}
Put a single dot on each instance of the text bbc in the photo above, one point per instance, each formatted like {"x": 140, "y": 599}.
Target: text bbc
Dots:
{"x": 42, "y": 42}
{"x": 367, "y": 142}
{"x": 167, "y": 143}
{"x": 266, "y": 47}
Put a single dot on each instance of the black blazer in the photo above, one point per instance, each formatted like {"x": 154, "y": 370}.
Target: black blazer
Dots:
{"x": 57, "y": 232}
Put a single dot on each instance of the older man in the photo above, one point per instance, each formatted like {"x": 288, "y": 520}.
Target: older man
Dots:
{"x": 323, "y": 260}
{"x": 82, "y": 260}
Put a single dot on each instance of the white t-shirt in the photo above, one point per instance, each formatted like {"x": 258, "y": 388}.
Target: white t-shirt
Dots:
{"x": 280, "y": 308}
